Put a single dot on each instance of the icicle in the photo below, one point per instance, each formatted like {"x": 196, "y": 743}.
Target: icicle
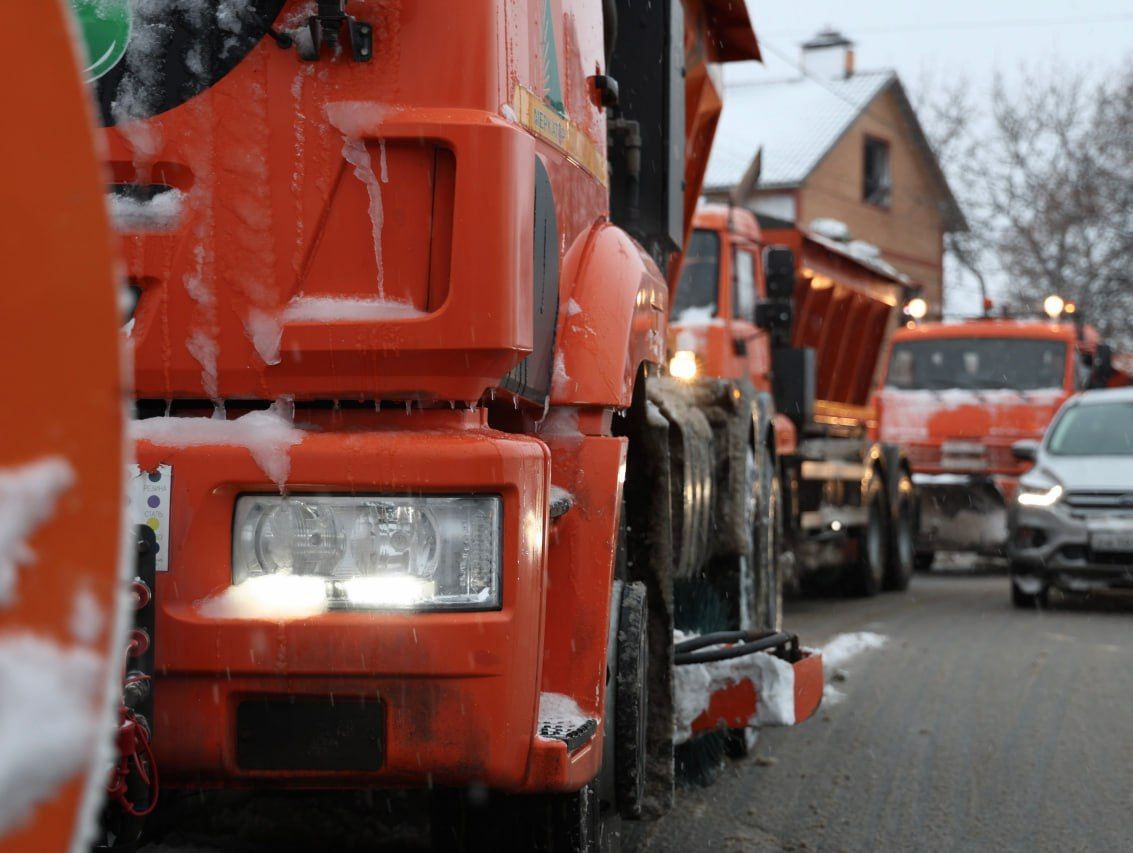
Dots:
{"x": 357, "y": 155}
{"x": 219, "y": 413}
{"x": 382, "y": 159}
{"x": 408, "y": 407}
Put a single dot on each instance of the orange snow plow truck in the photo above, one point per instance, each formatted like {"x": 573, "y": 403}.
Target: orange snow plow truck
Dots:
{"x": 794, "y": 325}
{"x": 959, "y": 395}
{"x": 399, "y": 279}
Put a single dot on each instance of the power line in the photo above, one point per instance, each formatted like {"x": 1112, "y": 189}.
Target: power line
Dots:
{"x": 1000, "y": 23}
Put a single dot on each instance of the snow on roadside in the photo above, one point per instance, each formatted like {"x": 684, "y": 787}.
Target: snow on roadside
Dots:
{"x": 27, "y": 499}
{"x": 838, "y": 652}
{"x": 268, "y": 435}
{"x": 49, "y": 731}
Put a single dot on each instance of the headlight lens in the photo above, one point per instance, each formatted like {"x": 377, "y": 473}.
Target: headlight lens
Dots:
{"x": 375, "y": 552}
{"x": 683, "y": 365}
{"x": 1039, "y": 497}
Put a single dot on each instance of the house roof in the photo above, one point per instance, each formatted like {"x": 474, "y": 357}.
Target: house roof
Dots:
{"x": 796, "y": 122}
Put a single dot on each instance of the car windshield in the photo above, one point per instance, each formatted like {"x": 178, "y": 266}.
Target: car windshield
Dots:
{"x": 1096, "y": 429}
{"x": 1020, "y": 364}
{"x": 696, "y": 292}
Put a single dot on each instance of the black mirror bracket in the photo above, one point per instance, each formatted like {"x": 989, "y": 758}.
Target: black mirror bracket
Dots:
{"x": 325, "y": 28}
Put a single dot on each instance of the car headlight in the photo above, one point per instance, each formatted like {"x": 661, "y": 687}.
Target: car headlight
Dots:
{"x": 375, "y": 551}
{"x": 684, "y": 365}
{"x": 1040, "y": 497}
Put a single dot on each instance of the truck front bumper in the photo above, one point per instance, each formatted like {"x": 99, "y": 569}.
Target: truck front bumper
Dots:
{"x": 350, "y": 697}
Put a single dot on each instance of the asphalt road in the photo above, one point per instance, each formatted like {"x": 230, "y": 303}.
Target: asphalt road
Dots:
{"x": 974, "y": 727}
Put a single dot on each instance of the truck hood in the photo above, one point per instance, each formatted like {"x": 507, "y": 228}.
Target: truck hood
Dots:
{"x": 997, "y": 417}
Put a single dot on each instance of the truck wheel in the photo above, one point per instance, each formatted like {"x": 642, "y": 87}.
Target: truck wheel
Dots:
{"x": 869, "y": 574}
{"x": 771, "y": 547}
{"x": 632, "y": 701}
{"x": 902, "y": 536}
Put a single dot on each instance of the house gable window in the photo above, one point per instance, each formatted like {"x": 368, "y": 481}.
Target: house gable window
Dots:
{"x": 876, "y": 182}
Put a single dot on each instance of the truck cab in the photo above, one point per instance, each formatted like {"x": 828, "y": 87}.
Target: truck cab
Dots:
{"x": 958, "y": 396}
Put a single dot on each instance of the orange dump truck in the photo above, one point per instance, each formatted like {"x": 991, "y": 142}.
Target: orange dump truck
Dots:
{"x": 400, "y": 295}
{"x": 792, "y": 327}
{"x": 959, "y": 395}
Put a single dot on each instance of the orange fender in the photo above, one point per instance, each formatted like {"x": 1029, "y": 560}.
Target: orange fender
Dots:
{"x": 611, "y": 319}
{"x": 61, "y": 458}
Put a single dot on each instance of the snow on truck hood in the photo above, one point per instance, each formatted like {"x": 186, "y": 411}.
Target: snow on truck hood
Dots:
{"x": 1001, "y": 413}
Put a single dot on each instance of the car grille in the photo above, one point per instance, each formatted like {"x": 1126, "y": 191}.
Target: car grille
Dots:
{"x": 1118, "y": 504}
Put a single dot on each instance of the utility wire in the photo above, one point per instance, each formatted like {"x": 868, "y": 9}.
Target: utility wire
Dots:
{"x": 977, "y": 25}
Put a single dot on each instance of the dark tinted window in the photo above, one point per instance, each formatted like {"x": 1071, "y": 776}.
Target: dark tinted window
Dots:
{"x": 700, "y": 275}
{"x": 177, "y": 49}
{"x": 977, "y": 363}
{"x": 1096, "y": 429}
{"x": 876, "y": 182}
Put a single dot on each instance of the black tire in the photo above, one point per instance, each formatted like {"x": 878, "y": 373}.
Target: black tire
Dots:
{"x": 902, "y": 536}
{"x": 924, "y": 561}
{"x": 1028, "y": 600}
{"x": 768, "y": 544}
{"x": 632, "y": 701}
{"x": 869, "y": 572}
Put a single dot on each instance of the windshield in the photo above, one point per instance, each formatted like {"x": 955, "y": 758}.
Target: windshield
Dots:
{"x": 149, "y": 57}
{"x": 1020, "y": 364}
{"x": 699, "y": 282}
{"x": 1097, "y": 429}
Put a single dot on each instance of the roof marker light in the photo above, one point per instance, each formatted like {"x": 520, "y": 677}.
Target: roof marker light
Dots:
{"x": 1053, "y": 306}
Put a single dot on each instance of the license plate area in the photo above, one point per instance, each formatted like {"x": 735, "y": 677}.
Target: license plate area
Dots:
{"x": 1112, "y": 540}
{"x": 309, "y": 733}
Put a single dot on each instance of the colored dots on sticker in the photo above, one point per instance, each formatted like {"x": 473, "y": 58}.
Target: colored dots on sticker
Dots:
{"x": 153, "y": 523}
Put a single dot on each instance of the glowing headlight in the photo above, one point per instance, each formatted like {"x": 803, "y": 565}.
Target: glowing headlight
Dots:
{"x": 375, "y": 552}
{"x": 1040, "y": 497}
{"x": 683, "y": 365}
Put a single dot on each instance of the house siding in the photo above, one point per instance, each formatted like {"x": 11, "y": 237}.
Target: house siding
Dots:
{"x": 910, "y": 231}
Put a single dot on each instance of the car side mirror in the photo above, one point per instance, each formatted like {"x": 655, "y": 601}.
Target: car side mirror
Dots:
{"x": 773, "y": 315}
{"x": 1026, "y": 450}
{"x": 779, "y": 273}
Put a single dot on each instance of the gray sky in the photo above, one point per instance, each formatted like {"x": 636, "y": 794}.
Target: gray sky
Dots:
{"x": 927, "y": 42}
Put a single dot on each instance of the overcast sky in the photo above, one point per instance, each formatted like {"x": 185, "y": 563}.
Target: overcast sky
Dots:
{"x": 928, "y": 42}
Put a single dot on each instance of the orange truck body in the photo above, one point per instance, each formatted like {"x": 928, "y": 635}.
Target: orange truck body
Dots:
{"x": 819, "y": 418}
{"x": 63, "y": 455}
{"x": 959, "y": 438}
{"x": 406, "y": 185}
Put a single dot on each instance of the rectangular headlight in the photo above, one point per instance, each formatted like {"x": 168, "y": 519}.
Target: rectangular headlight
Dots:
{"x": 375, "y": 551}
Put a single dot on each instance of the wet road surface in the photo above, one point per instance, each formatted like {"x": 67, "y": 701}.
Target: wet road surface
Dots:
{"x": 974, "y": 727}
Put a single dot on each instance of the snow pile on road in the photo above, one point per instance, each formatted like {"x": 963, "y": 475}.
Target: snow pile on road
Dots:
{"x": 837, "y": 653}
{"x": 27, "y": 499}
{"x": 694, "y": 684}
{"x": 268, "y": 435}
{"x": 48, "y": 724}
{"x": 277, "y": 598}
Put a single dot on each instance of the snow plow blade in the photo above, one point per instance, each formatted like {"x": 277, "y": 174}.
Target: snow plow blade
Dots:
{"x": 784, "y": 688}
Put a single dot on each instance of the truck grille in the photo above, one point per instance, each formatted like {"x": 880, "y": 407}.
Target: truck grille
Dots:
{"x": 309, "y": 733}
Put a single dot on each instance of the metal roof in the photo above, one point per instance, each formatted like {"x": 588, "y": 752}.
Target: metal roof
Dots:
{"x": 796, "y": 122}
